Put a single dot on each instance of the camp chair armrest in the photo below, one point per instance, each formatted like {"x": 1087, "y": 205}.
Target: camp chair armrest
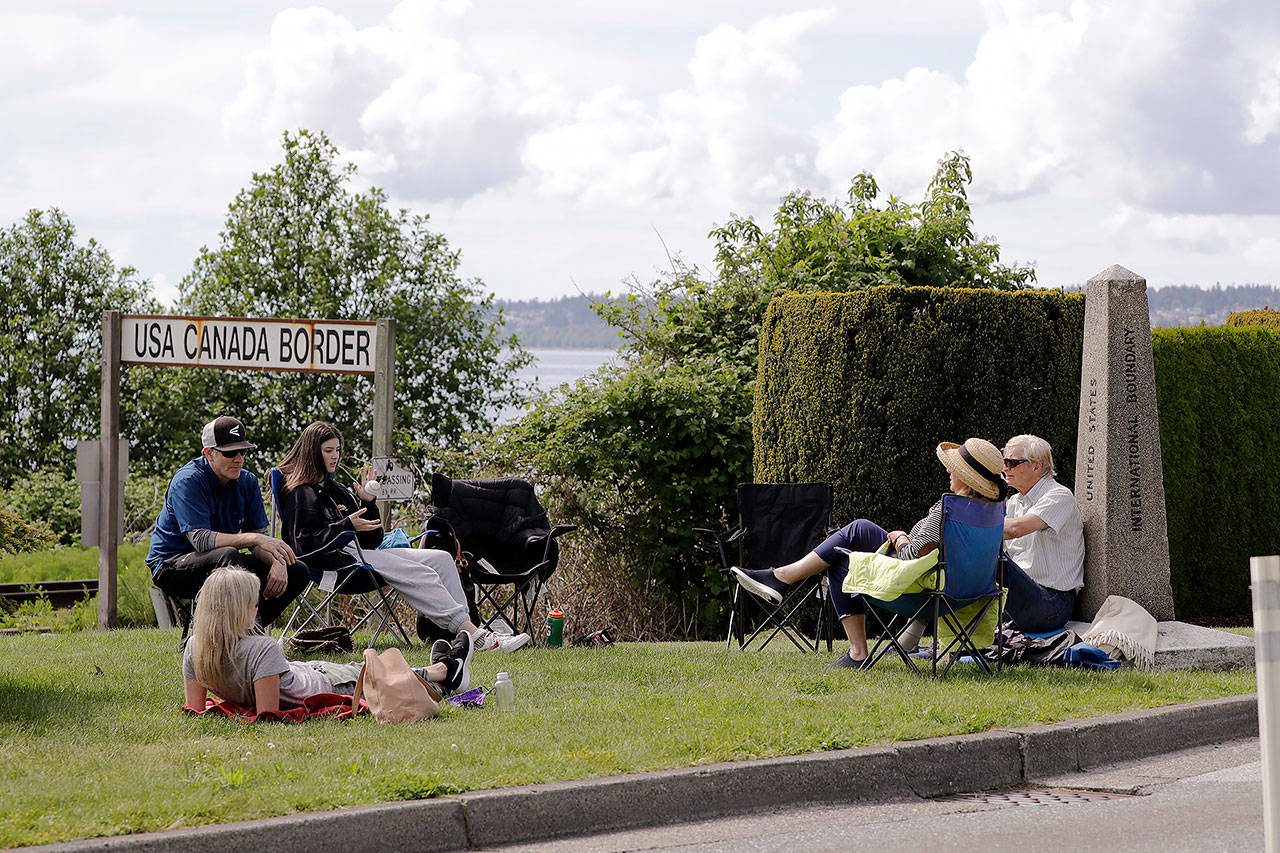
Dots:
{"x": 720, "y": 540}
{"x": 332, "y": 545}
{"x": 558, "y": 530}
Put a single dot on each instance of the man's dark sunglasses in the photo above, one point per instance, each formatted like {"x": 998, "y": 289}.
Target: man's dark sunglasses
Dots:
{"x": 231, "y": 454}
{"x": 1014, "y": 463}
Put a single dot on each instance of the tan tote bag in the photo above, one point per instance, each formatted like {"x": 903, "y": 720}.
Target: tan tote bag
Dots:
{"x": 395, "y": 693}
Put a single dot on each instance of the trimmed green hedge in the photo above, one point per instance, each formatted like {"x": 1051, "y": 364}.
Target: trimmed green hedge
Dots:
{"x": 1219, "y": 395}
{"x": 857, "y": 389}
{"x": 1261, "y": 317}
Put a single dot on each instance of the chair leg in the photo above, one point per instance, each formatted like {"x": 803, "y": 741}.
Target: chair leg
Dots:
{"x": 784, "y": 624}
{"x": 740, "y": 614}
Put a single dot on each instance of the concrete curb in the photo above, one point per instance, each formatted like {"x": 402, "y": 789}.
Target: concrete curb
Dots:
{"x": 924, "y": 768}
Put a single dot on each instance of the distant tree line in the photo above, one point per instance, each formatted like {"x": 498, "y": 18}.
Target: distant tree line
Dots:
{"x": 568, "y": 322}
{"x": 1188, "y": 305}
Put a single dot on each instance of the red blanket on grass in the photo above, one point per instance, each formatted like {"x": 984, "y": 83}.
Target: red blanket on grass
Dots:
{"x": 333, "y": 705}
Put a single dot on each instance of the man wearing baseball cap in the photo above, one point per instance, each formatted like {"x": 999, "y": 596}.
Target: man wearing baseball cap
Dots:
{"x": 213, "y": 516}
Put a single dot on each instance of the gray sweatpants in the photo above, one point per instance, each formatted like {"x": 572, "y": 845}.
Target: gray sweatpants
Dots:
{"x": 343, "y": 676}
{"x": 428, "y": 579}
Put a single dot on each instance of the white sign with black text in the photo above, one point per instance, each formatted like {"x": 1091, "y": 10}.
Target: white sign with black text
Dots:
{"x": 395, "y": 481}
{"x": 324, "y": 346}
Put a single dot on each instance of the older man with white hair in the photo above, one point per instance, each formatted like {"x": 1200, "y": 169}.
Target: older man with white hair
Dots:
{"x": 1044, "y": 535}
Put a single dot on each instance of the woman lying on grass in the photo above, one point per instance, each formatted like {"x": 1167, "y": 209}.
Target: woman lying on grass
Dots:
{"x": 224, "y": 657}
{"x": 975, "y": 470}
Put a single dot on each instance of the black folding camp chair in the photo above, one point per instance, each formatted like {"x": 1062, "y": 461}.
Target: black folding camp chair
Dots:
{"x": 966, "y": 574}
{"x": 358, "y": 581}
{"x": 778, "y": 523}
{"x": 508, "y": 545}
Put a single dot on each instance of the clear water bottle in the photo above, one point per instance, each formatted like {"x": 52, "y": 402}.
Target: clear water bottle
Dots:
{"x": 504, "y": 692}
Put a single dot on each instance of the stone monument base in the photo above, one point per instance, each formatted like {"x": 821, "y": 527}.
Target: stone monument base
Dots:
{"x": 1180, "y": 645}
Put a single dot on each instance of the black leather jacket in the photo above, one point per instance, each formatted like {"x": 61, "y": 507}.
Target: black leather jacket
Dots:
{"x": 312, "y": 515}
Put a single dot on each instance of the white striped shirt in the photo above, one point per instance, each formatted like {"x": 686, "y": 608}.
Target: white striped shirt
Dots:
{"x": 1053, "y": 556}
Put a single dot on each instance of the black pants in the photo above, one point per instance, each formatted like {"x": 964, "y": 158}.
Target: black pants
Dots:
{"x": 182, "y": 577}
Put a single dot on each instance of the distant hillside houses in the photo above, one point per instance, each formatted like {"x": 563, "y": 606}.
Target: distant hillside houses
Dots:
{"x": 569, "y": 322}
{"x": 1187, "y": 305}
{"x": 564, "y": 323}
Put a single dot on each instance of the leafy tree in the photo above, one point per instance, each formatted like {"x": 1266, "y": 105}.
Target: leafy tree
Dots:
{"x": 19, "y": 535}
{"x": 815, "y": 244}
{"x": 299, "y": 242}
{"x": 51, "y": 341}
{"x": 640, "y": 455}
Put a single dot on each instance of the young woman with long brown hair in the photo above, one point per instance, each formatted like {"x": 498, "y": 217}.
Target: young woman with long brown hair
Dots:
{"x": 315, "y": 508}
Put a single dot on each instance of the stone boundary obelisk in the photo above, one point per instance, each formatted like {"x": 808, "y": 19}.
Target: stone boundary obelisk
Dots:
{"x": 1119, "y": 481}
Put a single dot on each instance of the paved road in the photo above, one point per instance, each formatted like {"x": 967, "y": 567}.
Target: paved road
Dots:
{"x": 1203, "y": 799}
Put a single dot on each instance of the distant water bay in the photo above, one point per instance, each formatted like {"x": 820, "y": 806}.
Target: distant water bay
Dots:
{"x": 552, "y": 367}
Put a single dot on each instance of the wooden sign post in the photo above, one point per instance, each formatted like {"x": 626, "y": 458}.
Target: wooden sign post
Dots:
{"x": 227, "y": 343}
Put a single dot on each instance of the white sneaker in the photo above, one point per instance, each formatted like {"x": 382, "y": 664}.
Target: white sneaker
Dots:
{"x": 488, "y": 641}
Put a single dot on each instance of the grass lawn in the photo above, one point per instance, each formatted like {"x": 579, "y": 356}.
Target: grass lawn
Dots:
{"x": 92, "y": 742}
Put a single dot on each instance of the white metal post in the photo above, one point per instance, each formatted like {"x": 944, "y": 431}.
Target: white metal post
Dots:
{"x": 1265, "y": 577}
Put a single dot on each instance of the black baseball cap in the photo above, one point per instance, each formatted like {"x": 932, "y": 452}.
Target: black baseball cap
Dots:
{"x": 225, "y": 433}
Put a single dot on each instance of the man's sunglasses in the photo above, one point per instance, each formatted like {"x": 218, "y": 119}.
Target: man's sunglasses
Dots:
{"x": 230, "y": 454}
{"x": 1014, "y": 463}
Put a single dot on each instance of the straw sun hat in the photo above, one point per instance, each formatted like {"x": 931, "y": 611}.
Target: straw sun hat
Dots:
{"x": 978, "y": 463}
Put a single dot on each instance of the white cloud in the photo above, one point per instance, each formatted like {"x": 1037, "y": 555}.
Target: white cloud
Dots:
{"x": 551, "y": 141}
{"x": 409, "y": 99}
{"x": 720, "y": 134}
{"x": 1151, "y": 101}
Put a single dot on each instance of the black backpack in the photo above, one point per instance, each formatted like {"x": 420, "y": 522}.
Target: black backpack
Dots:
{"x": 440, "y": 536}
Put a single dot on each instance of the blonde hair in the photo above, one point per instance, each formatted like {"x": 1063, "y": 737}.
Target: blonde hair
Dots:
{"x": 223, "y": 614}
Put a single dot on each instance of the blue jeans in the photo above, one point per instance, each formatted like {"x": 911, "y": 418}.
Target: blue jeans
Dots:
{"x": 859, "y": 535}
{"x": 1033, "y": 607}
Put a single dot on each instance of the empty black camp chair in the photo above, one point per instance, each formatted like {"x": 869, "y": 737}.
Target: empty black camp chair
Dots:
{"x": 778, "y": 523}
{"x": 507, "y": 541}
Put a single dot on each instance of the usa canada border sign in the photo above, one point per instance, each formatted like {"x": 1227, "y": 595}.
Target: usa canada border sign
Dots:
{"x": 314, "y": 346}
{"x": 227, "y": 343}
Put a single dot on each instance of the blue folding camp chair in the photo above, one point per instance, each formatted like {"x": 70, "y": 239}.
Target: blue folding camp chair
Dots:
{"x": 966, "y": 574}
{"x": 359, "y": 581}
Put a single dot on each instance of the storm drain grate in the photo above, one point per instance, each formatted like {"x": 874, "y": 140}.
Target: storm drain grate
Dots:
{"x": 1036, "y": 797}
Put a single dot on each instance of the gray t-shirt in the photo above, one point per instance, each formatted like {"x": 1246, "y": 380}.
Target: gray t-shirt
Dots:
{"x": 257, "y": 657}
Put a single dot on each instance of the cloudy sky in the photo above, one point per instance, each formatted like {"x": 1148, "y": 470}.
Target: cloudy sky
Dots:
{"x": 565, "y": 146}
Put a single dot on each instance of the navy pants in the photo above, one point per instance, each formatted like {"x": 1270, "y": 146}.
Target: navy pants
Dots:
{"x": 859, "y": 535}
{"x": 1032, "y": 607}
{"x": 182, "y": 577}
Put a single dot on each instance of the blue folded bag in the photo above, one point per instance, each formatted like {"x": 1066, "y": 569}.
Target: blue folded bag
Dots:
{"x": 1085, "y": 656}
{"x": 395, "y": 539}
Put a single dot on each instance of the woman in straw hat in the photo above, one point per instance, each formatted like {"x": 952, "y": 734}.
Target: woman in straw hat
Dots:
{"x": 974, "y": 468}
